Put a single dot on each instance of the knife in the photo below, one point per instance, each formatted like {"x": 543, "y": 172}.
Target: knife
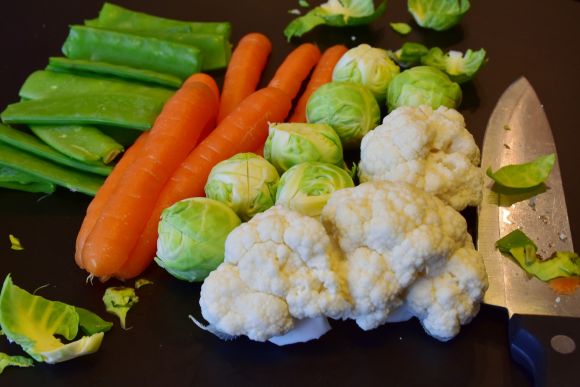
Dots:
{"x": 544, "y": 327}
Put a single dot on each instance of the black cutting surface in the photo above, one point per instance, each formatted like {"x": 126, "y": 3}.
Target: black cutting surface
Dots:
{"x": 533, "y": 38}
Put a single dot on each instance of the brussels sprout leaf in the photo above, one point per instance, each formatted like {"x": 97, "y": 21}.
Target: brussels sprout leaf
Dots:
{"x": 460, "y": 67}
{"x": 303, "y": 3}
{"x": 401, "y": 28}
{"x": 409, "y": 54}
{"x": 90, "y": 323}
{"x": 118, "y": 301}
{"x": 142, "y": 282}
{"x": 17, "y": 361}
{"x": 15, "y": 243}
{"x": 524, "y": 175}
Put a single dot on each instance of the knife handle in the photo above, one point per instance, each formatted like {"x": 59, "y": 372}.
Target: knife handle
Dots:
{"x": 548, "y": 346}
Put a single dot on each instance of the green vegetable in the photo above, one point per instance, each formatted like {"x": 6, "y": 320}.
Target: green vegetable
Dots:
{"x": 16, "y": 361}
{"x": 44, "y": 169}
{"x": 122, "y": 110}
{"x": 107, "y": 69}
{"x": 28, "y": 143}
{"x": 307, "y": 187}
{"x": 438, "y": 15}
{"x": 336, "y": 13}
{"x": 34, "y": 323}
{"x": 423, "y": 85}
{"x": 142, "y": 282}
{"x": 401, "y": 28}
{"x": 14, "y": 179}
{"x": 118, "y": 301}
{"x": 90, "y": 323}
{"x": 523, "y": 250}
{"x": 348, "y": 107}
{"x": 303, "y": 3}
{"x": 132, "y": 50}
{"x": 289, "y": 144}
{"x": 368, "y": 66}
{"x": 410, "y": 54}
{"x": 192, "y": 235}
{"x": 459, "y": 67}
{"x": 83, "y": 143}
{"x": 524, "y": 175}
{"x": 245, "y": 182}
{"x": 15, "y": 243}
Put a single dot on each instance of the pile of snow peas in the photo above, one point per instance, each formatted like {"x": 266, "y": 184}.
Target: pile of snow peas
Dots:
{"x": 79, "y": 113}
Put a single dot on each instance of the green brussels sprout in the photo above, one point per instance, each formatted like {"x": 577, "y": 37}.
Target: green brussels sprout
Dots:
{"x": 409, "y": 54}
{"x": 294, "y": 143}
{"x": 307, "y": 187}
{"x": 438, "y": 15}
{"x": 368, "y": 66}
{"x": 245, "y": 182}
{"x": 192, "y": 235}
{"x": 423, "y": 85}
{"x": 458, "y": 66}
{"x": 348, "y": 107}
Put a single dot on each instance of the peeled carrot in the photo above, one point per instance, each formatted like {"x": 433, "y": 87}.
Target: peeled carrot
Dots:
{"x": 565, "y": 285}
{"x": 321, "y": 74}
{"x": 105, "y": 192}
{"x": 244, "y": 70}
{"x": 295, "y": 69}
{"x": 124, "y": 216}
{"x": 244, "y": 130}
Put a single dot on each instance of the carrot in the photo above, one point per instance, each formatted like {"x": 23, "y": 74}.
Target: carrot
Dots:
{"x": 243, "y": 74}
{"x": 295, "y": 68}
{"x": 104, "y": 193}
{"x": 322, "y": 74}
{"x": 565, "y": 285}
{"x": 174, "y": 134}
{"x": 243, "y": 130}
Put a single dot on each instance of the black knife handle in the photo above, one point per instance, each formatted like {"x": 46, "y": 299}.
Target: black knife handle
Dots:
{"x": 548, "y": 346}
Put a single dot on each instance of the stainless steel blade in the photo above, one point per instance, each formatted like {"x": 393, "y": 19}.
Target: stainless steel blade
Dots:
{"x": 518, "y": 131}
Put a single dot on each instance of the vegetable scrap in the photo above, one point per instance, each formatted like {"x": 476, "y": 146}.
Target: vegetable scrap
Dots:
{"x": 14, "y": 361}
{"x": 522, "y": 176}
{"x": 401, "y": 28}
{"x": 118, "y": 301}
{"x": 460, "y": 67}
{"x": 139, "y": 283}
{"x": 15, "y": 243}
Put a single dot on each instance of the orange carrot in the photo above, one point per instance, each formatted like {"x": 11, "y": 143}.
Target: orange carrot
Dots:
{"x": 174, "y": 134}
{"x": 295, "y": 68}
{"x": 244, "y": 70}
{"x": 322, "y": 74}
{"x": 104, "y": 193}
{"x": 242, "y": 131}
{"x": 565, "y": 285}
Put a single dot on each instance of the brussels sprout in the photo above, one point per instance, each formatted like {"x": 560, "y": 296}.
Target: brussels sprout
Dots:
{"x": 293, "y": 143}
{"x": 423, "y": 85}
{"x": 409, "y": 54}
{"x": 246, "y": 183}
{"x": 348, "y": 107}
{"x": 307, "y": 187}
{"x": 192, "y": 235}
{"x": 460, "y": 68}
{"x": 438, "y": 15}
{"x": 368, "y": 66}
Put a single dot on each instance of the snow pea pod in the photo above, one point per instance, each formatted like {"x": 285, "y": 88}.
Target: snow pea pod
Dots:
{"x": 132, "y": 50}
{"x": 14, "y": 179}
{"x": 122, "y": 110}
{"x": 44, "y": 169}
{"x": 102, "y": 68}
{"x": 29, "y": 143}
{"x": 80, "y": 142}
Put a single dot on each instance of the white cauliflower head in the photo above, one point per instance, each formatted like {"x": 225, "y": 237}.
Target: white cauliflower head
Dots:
{"x": 278, "y": 267}
{"x": 390, "y": 234}
{"x": 430, "y": 149}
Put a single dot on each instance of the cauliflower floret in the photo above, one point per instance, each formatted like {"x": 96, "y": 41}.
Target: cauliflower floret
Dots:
{"x": 390, "y": 233}
{"x": 284, "y": 260}
{"x": 430, "y": 149}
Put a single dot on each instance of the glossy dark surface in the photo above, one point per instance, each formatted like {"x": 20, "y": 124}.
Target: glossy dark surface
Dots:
{"x": 532, "y": 38}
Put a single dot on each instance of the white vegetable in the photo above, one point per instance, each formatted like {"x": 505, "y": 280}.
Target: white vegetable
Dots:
{"x": 430, "y": 149}
{"x": 304, "y": 330}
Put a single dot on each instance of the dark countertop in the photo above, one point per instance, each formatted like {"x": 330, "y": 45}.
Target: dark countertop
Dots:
{"x": 532, "y": 38}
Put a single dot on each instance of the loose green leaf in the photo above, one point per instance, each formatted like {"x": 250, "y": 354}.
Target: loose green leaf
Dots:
{"x": 16, "y": 361}
{"x": 90, "y": 323}
{"x": 118, "y": 301}
{"x": 459, "y": 66}
{"x": 524, "y": 175}
{"x": 15, "y": 243}
{"x": 409, "y": 54}
{"x": 401, "y": 28}
{"x": 303, "y": 3}
{"x": 142, "y": 282}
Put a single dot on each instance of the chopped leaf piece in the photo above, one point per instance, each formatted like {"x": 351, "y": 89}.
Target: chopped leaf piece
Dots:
{"x": 15, "y": 243}
{"x": 294, "y": 11}
{"x": 460, "y": 67}
{"x": 401, "y": 28}
{"x": 119, "y": 300}
{"x": 91, "y": 323}
{"x": 142, "y": 282}
{"x": 17, "y": 361}
{"x": 409, "y": 54}
{"x": 303, "y": 3}
{"x": 524, "y": 175}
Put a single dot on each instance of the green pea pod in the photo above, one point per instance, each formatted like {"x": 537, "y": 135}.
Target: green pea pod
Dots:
{"x": 132, "y": 50}
{"x": 83, "y": 143}
{"x": 122, "y": 110}
{"x": 14, "y": 179}
{"x": 47, "y": 84}
{"x": 28, "y": 143}
{"x": 107, "y": 69}
{"x": 44, "y": 169}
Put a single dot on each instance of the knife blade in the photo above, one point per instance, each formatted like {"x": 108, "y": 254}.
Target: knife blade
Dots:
{"x": 544, "y": 327}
